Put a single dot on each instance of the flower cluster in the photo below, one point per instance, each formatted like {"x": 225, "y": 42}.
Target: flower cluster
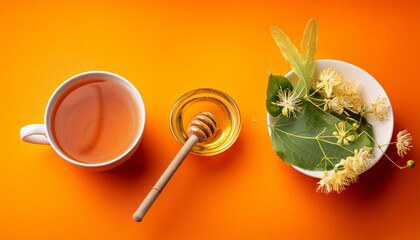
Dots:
{"x": 346, "y": 171}
{"x": 331, "y": 92}
{"x": 337, "y": 95}
{"x": 341, "y": 96}
{"x": 330, "y": 114}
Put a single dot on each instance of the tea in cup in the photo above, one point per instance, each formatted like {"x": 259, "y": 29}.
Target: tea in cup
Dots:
{"x": 95, "y": 119}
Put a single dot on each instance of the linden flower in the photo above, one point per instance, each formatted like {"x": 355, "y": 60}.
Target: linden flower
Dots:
{"x": 325, "y": 185}
{"x": 361, "y": 160}
{"x": 404, "y": 144}
{"x": 350, "y": 94}
{"x": 333, "y": 104}
{"x": 333, "y": 181}
{"x": 289, "y": 101}
{"x": 340, "y": 95}
{"x": 328, "y": 78}
{"x": 336, "y": 104}
{"x": 380, "y": 109}
{"x": 344, "y": 137}
{"x": 346, "y": 171}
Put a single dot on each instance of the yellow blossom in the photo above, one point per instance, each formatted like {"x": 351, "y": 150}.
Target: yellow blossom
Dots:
{"x": 335, "y": 104}
{"x": 381, "y": 109}
{"x": 346, "y": 171}
{"x": 339, "y": 181}
{"x": 290, "y": 102}
{"x": 361, "y": 160}
{"x": 344, "y": 137}
{"x": 344, "y": 95}
{"x": 325, "y": 184}
{"x": 333, "y": 181}
{"x": 404, "y": 142}
{"x": 328, "y": 78}
{"x": 350, "y": 95}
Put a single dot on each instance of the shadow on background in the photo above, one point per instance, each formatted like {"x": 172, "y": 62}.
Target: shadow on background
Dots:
{"x": 372, "y": 186}
{"x": 138, "y": 166}
{"x": 222, "y": 161}
{"x": 374, "y": 182}
{"x": 188, "y": 195}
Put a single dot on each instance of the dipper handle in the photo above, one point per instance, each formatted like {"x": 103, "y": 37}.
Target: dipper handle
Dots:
{"x": 200, "y": 129}
{"x": 164, "y": 179}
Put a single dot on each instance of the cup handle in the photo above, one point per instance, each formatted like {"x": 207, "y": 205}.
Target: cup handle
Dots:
{"x": 34, "y": 133}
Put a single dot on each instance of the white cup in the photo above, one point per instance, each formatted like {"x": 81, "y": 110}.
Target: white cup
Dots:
{"x": 94, "y": 120}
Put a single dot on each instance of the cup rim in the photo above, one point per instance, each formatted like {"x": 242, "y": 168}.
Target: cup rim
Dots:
{"x": 56, "y": 95}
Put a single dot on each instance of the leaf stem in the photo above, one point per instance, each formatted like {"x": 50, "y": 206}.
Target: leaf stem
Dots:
{"x": 386, "y": 155}
{"x": 309, "y": 99}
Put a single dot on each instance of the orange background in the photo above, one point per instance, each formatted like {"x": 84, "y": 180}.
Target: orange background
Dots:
{"x": 166, "y": 49}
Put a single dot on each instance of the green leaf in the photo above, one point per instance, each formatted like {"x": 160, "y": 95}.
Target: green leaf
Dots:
{"x": 275, "y": 82}
{"x": 289, "y": 52}
{"x": 302, "y": 64}
{"x": 308, "y": 48}
{"x": 307, "y": 141}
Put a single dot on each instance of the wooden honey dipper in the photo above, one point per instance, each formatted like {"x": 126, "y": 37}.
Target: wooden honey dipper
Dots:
{"x": 200, "y": 129}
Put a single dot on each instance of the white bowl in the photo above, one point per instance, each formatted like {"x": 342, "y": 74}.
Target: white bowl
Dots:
{"x": 371, "y": 89}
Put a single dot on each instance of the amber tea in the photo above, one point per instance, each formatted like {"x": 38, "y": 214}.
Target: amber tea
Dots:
{"x": 95, "y": 121}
